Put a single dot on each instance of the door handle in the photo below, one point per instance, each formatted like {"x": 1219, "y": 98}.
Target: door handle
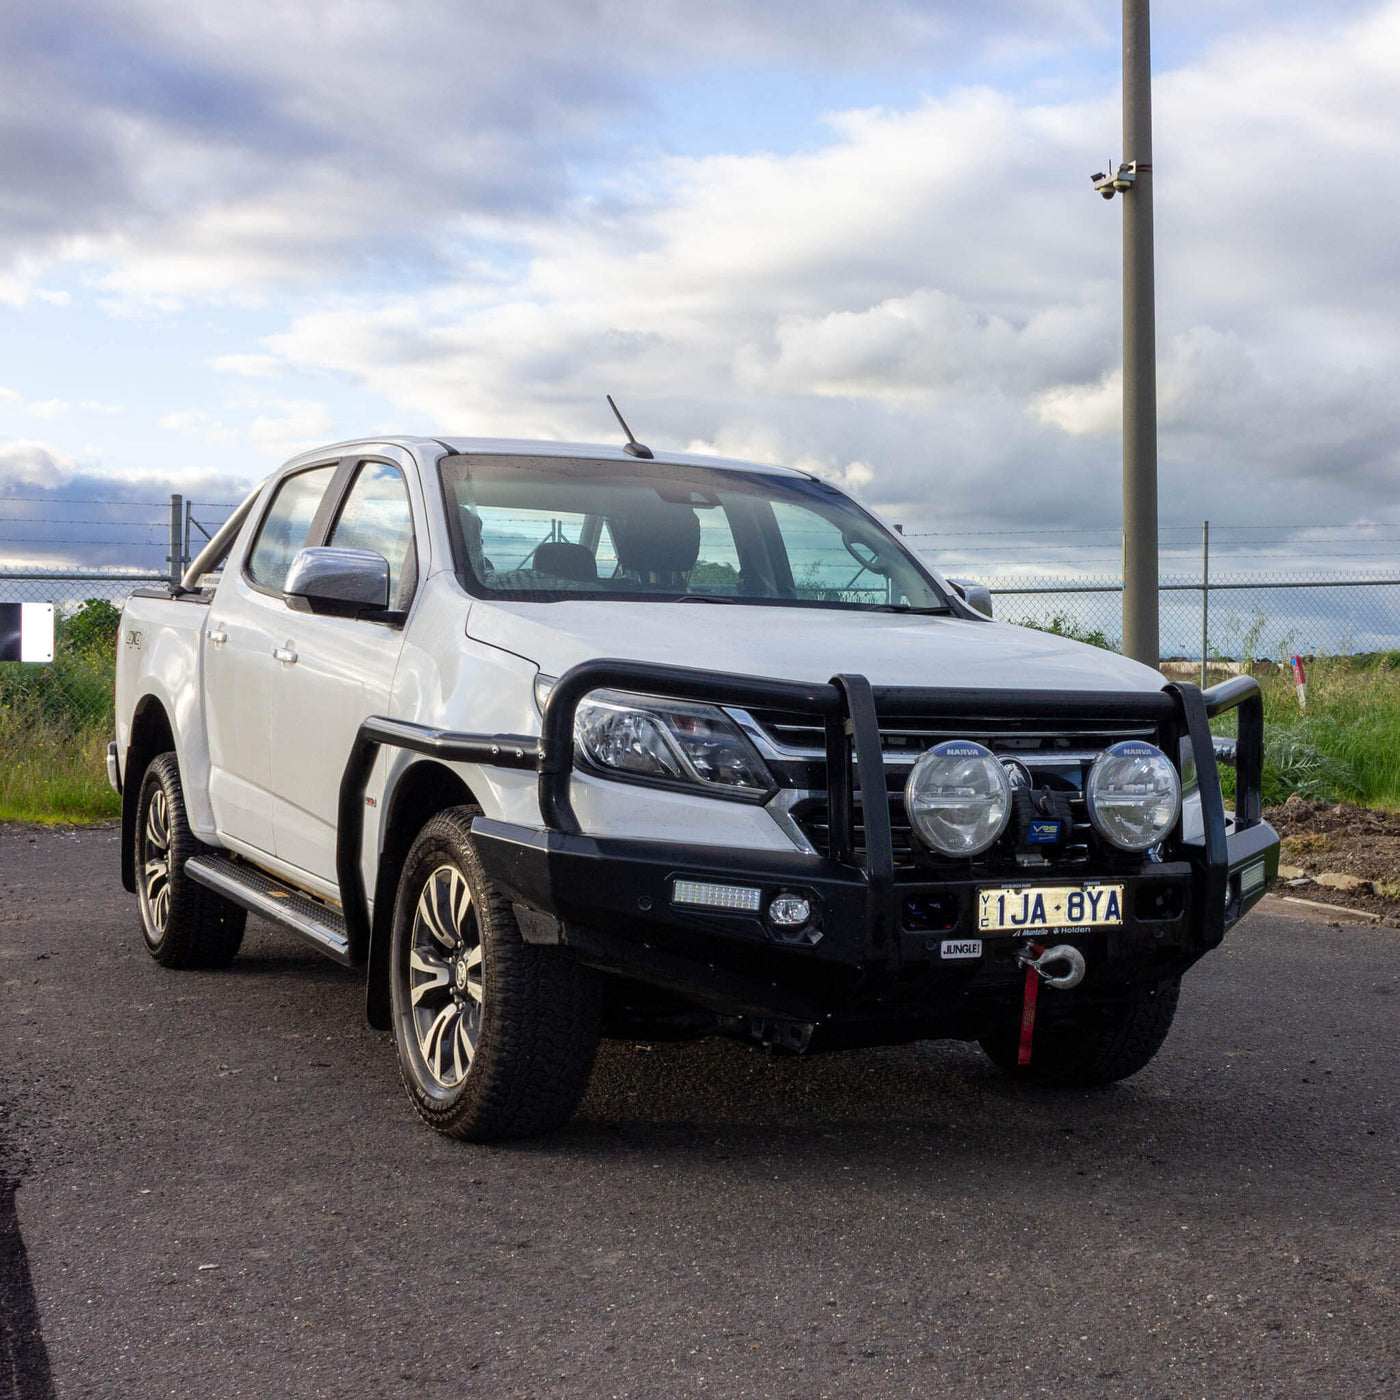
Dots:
{"x": 284, "y": 654}
{"x": 218, "y": 636}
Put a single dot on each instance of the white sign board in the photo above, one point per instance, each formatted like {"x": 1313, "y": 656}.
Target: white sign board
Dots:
{"x": 26, "y": 631}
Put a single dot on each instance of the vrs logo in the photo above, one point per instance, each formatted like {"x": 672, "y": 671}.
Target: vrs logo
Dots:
{"x": 962, "y": 948}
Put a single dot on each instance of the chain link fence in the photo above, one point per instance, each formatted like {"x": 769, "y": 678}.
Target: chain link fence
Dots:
{"x": 1229, "y": 593}
{"x": 1236, "y": 617}
{"x": 138, "y": 542}
{"x": 1227, "y": 609}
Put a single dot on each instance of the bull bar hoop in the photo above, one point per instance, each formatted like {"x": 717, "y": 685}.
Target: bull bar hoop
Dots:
{"x": 849, "y": 708}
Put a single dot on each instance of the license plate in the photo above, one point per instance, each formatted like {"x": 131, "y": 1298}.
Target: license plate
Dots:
{"x": 1031, "y": 908}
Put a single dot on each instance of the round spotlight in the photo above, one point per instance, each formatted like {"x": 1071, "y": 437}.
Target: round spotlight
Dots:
{"x": 958, "y": 797}
{"x": 1133, "y": 794}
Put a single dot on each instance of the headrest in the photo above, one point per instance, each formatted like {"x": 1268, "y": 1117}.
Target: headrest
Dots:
{"x": 656, "y": 537}
{"x": 565, "y": 560}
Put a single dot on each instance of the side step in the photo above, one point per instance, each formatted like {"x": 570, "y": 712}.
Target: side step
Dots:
{"x": 244, "y": 884}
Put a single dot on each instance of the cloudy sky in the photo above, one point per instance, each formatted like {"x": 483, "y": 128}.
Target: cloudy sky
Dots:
{"x": 859, "y": 238}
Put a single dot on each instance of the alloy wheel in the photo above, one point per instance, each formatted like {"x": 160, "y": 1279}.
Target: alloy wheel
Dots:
{"x": 445, "y": 984}
{"x": 156, "y": 861}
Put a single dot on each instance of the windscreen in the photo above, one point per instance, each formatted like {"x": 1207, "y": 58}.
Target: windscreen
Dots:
{"x": 553, "y": 528}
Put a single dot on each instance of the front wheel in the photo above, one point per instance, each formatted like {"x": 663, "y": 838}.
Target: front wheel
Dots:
{"x": 495, "y": 1038}
{"x": 1102, "y": 1045}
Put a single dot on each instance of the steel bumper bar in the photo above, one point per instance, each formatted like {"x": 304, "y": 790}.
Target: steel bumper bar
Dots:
{"x": 573, "y": 880}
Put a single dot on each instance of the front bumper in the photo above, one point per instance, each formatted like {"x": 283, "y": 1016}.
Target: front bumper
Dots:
{"x": 864, "y": 955}
{"x": 874, "y": 955}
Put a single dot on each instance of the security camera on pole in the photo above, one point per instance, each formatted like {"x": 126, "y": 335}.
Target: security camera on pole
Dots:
{"x": 1133, "y": 180}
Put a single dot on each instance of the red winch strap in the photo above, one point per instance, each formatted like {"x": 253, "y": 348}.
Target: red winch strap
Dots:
{"x": 1023, "y": 1056}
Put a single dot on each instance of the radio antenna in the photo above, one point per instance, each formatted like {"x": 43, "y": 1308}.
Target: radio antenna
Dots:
{"x": 633, "y": 448}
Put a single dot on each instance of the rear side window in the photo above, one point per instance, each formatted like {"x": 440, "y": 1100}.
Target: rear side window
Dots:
{"x": 376, "y": 517}
{"x": 285, "y": 526}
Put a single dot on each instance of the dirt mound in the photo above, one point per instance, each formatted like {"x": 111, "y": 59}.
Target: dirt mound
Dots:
{"x": 1323, "y": 840}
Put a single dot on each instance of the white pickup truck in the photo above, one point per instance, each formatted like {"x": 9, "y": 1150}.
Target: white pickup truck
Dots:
{"x": 554, "y": 741}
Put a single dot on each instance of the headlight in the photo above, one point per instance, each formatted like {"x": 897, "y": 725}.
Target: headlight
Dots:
{"x": 669, "y": 740}
{"x": 1134, "y": 795}
{"x": 958, "y": 797}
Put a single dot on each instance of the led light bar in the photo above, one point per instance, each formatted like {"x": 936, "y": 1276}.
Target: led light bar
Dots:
{"x": 1252, "y": 878}
{"x": 738, "y": 898}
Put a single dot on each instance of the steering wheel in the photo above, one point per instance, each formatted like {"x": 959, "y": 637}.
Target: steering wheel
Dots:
{"x": 865, "y": 554}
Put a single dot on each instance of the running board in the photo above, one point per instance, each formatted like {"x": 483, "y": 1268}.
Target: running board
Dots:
{"x": 244, "y": 884}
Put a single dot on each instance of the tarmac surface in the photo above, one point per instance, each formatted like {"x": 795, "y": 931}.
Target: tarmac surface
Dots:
{"x": 221, "y": 1189}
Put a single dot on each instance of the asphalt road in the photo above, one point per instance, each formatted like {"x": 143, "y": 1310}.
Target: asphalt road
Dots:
{"x": 223, "y": 1191}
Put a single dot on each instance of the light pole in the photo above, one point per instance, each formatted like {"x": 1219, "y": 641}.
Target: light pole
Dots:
{"x": 1133, "y": 180}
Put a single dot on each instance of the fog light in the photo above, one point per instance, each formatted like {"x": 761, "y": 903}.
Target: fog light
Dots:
{"x": 1252, "y": 879}
{"x": 736, "y": 898}
{"x": 790, "y": 911}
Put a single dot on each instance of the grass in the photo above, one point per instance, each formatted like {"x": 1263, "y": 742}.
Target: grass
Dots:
{"x": 1344, "y": 747}
{"x": 55, "y": 773}
{"x": 55, "y": 723}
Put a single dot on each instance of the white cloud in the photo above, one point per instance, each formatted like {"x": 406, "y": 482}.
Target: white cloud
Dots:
{"x": 282, "y": 428}
{"x": 934, "y": 294}
{"x": 921, "y": 302}
{"x": 34, "y": 464}
{"x": 197, "y": 423}
{"x": 272, "y": 146}
{"x": 51, "y": 408}
{"x": 299, "y": 425}
{"x": 249, "y": 366}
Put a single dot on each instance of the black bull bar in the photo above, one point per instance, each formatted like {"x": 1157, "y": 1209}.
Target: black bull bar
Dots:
{"x": 849, "y": 708}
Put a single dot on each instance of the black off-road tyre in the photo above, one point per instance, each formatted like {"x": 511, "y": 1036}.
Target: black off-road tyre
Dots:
{"x": 500, "y": 1040}
{"x": 183, "y": 924}
{"x": 1104, "y": 1045}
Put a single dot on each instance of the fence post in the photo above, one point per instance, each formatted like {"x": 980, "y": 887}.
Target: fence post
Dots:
{"x": 1205, "y": 598}
{"x": 177, "y": 530}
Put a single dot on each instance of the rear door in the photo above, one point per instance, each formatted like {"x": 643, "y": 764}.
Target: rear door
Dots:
{"x": 336, "y": 671}
{"x": 240, "y": 671}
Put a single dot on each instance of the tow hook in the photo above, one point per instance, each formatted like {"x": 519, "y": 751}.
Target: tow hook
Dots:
{"x": 1036, "y": 959}
{"x": 1060, "y": 953}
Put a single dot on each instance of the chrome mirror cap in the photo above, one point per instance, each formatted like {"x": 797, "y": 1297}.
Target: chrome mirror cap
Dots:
{"x": 338, "y": 580}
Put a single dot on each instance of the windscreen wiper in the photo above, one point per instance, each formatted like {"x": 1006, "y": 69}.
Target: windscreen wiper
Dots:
{"x": 701, "y": 598}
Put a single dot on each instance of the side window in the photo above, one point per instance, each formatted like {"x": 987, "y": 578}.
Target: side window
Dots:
{"x": 285, "y": 525}
{"x": 376, "y": 517}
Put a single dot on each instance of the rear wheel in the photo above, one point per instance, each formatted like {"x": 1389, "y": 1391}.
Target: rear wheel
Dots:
{"x": 495, "y": 1037}
{"x": 184, "y": 924}
{"x": 1101, "y": 1046}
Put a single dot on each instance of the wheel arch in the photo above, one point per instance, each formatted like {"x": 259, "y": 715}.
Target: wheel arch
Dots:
{"x": 151, "y": 733}
{"x": 424, "y": 788}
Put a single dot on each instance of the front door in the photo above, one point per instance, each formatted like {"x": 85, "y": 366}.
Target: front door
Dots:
{"x": 240, "y": 671}
{"x": 337, "y": 671}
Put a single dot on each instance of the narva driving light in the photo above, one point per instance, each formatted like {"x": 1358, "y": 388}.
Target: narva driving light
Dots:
{"x": 648, "y": 737}
{"x": 1134, "y": 795}
{"x": 958, "y": 797}
{"x": 737, "y": 898}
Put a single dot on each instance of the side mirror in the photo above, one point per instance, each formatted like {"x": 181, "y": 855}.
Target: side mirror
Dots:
{"x": 342, "y": 582}
{"x": 975, "y": 595}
